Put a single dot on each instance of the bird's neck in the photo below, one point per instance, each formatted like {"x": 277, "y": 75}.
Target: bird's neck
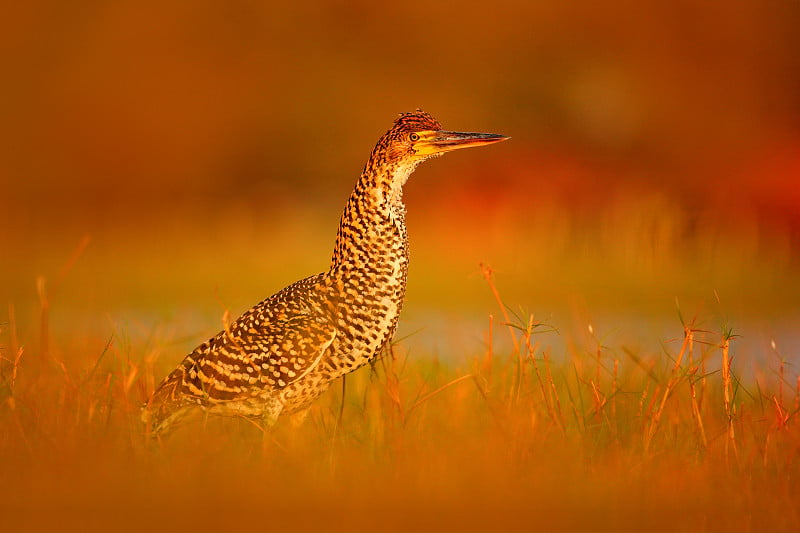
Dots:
{"x": 372, "y": 230}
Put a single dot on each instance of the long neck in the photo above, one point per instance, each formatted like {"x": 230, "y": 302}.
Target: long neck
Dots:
{"x": 372, "y": 231}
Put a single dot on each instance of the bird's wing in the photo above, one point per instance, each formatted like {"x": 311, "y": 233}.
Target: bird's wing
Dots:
{"x": 239, "y": 363}
{"x": 272, "y": 345}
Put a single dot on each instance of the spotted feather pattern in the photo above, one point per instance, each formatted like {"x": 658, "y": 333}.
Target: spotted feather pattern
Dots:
{"x": 283, "y": 353}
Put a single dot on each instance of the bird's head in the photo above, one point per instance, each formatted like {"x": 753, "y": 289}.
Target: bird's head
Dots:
{"x": 417, "y": 136}
{"x": 413, "y": 138}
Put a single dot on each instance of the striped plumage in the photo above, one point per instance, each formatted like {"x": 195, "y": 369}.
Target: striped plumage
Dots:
{"x": 283, "y": 353}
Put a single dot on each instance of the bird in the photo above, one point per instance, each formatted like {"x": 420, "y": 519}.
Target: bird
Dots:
{"x": 281, "y": 355}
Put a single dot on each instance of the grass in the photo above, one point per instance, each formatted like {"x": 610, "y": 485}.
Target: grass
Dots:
{"x": 511, "y": 434}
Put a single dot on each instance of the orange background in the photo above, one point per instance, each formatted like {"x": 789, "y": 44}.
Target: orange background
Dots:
{"x": 142, "y": 103}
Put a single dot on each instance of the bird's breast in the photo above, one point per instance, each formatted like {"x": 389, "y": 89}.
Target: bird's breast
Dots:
{"x": 364, "y": 305}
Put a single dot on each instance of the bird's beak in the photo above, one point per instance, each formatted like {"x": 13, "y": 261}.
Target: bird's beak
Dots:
{"x": 439, "y": 142}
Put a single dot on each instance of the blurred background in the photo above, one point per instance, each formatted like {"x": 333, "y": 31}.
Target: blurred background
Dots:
{"x": 161, "y": 162}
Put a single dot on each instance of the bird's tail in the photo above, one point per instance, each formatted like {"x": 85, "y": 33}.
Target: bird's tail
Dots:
{"x": 167, "y": 405}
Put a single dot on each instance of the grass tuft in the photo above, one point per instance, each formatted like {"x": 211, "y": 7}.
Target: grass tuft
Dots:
{"x": 515, "y": 434}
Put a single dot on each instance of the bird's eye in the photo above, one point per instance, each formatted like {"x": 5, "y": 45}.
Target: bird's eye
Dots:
{"x": 414, "y": 137}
